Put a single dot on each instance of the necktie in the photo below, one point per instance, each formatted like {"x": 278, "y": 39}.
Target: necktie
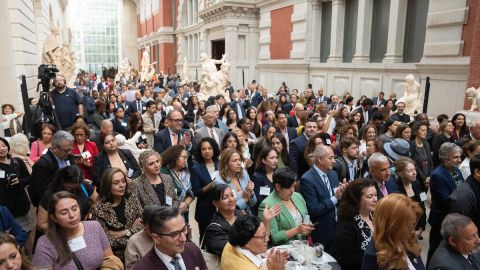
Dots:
{"x": 175, "y": 263}
{"x": 473, "y": 262}
{"x": 211, "y": 134}
{"x": 327, "y": 184}
{"x": 139, "y": 108}
{"x": 175, "y": 139}
{"x": 352, "y": 171}
{"x": 383, "y": 189}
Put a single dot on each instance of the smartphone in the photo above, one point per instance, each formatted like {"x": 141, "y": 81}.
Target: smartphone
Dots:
{"x": 10, "y": 180}
{"x": 77, "y": 156}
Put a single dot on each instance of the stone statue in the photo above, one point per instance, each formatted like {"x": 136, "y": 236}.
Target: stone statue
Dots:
{"x": 124, "y": 71}
{"x": 474, "y": 95}
{"x": 186, "y": 71}
{"x": 412, "y": 96}
{"x": 68, "y": 61}
{"x": 147, "y": 69}
{"x": 213, "y": 81}
{"x": 52, "y": 47}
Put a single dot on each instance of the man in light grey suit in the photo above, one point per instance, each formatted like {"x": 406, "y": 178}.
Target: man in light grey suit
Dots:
{"x": 215, "y": 110}
{"x": 209, "y": 130}
{"x": 456, "y": 251}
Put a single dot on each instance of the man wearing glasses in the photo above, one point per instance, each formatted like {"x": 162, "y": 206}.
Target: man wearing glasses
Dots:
{"x": 173, "y": 134}
{"x": 57, "y": 157}
{"x": 172, "y": 250}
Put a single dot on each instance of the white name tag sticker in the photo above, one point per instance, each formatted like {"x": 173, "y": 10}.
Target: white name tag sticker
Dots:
{"x": 44, "y": 151}
{"x": 130, "y": 173}
{"x": 423, "y": 196}
{"x": 234, "y": 193}
{"x": 264, "y": 191}
{"x": 168, "y": 200}
{"x": 144, "y": 136}
{"x": 124, "y": 124}
{"x": 2, "y": 174}
{"x": 67, "y": 162}
{"x": 328, "y": 141}
{"x": 144, "y": 108}
{"x": 77, "y": 243}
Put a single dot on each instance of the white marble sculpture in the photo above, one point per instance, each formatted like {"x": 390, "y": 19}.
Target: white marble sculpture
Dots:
{"x": 124, "y": 71}
{"x": 412, "y": 96}
{"x": 52, "y": 47}
{"x": 213, "y": 81}
{"x": 147, "y": 69}
{"x": 474, "y": 95}
{"x": 186, "y": 70}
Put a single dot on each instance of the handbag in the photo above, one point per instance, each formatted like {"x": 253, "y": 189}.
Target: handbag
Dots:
{"x": 212, "y": 260}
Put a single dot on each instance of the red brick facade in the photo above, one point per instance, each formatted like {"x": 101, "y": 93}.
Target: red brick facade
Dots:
{"x": 471, "y": 38}
{"x": 280, "y": 32}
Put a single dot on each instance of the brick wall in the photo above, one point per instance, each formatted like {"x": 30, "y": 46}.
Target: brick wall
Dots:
{"x": 280, "y": 32}
{"x": 473, "y": 43}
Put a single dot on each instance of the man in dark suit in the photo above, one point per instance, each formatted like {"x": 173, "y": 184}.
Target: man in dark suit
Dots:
{"x": 322, "y": 190}
{"x": 347, "y": 166}
{"x": 239, "y": 105}
{"x": 365, "y": 111}
{"x": 57, "y": 157}
{"x": 172, "y": 250}
{"x": 322, "y": 97}
{"x": 379, "y": 101}
{"x": 297, "y": 147}
{"x": 136, "y": 106}
{"x": 172, "y": 135}
{"x": 102, "y": 85}
{"x": 289, "y": 133}
{"x": 379, "y": 171}
{"x": 456, "y": 251}
{"x": 294, "y": 121}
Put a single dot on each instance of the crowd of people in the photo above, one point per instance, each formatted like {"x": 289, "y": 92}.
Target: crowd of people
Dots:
{"x": 111, "y": 182}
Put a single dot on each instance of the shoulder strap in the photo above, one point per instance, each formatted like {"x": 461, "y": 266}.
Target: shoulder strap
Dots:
{"x": 84, "y": 190}
{"x": 77, "y": 262}
{"x": 209, "y": 225}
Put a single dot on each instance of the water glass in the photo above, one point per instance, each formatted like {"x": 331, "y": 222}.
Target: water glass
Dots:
{"x": 306, "y": 219}
{"x": 318, "y": 250}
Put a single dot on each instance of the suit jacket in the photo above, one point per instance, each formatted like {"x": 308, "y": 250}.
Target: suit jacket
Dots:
{"x": 341, "y": 167}
{"x": 319, "y": 205}
{"x": 147, "y": 195}
{"x": 292, "y": 133}
{"x": 442, "y": 185}
{"x": 323, "y": 98}
{"x": 101, "y": 163}
{"x": 192, "y": 257}
{"x": 375, "y": 101}
{"x": 137, "y": 247}
{"x": 362, "y": 120}
{"x": 292, "y": 121}
{"x": 417, "y": 190}
{"x": 370, "y": 259}
{"x": 203, "y": 132}
{"x": 119, "y": 128}
{"x": 447, "y": 258}
{"x": 297, "y": 162}
{"x": 243, "y": 105}
{"x": 200, "y": 177}
{"x": 390, "y": 185}
{"x": 162, "y": 139}
{"x": 260, "y": 179}
{"x": 283, "y": 221}
{"x": 131, "y": 107}
{"x": 149, "y": 128}
{"x": 42, "y": 175}
{"x": 287, "y": 107}
{"x": 463, "y": 200}
{"x": 256, "y": 99}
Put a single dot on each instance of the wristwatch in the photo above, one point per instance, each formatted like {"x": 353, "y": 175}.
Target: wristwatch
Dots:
{"x": 129, "y": 233}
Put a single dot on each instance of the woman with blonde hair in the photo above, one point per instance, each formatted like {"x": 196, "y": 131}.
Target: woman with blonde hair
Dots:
{"x": 19, "y": 149}
{"x": 394, "y": 244}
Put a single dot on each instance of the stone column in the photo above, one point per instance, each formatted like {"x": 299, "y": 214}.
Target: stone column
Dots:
{"x": 316, "y": 30}
{"x": 336, "y": 39}
{"x": 396, "y": 31}
{"x": 231, "y": 40}
{"x": 364, "y": 30}
{"x": 189, "y": 12}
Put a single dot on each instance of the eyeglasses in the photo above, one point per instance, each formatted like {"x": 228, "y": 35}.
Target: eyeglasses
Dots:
{"x": 264, "y": 237}
{"x": 79, "y": 135}
{"x": 176, "y": 120}
{"x": 66, "y": 151}
{"x": 176, "y": 235}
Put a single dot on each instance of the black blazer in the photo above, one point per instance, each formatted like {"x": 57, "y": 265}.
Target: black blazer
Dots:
{"x": 117, "y": 127}
{"x": 42, "y": 175}
{"x": 292, "y": 133}
{"x": 131, "y": 107}
{"x": 417, "y": 190}
{"x": 162, "y": 139}
{"x": 349, "y": 243}
{"x": 292, "y": 121}
{"x": 260, "y": 179}
{"x": 200, "y": 177}
{"x": 297, "y": 162}
{"x": 101, "y": 163}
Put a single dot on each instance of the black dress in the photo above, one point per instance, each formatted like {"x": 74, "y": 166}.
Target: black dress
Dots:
{"x": 14, "y": 197}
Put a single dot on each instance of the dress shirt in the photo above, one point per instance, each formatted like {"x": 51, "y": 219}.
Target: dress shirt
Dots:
{"x": 167, "y": 259}
{"x": 211, "y": 133}
{"x": 351, "y": 168}
{"x": 255, "y": 259}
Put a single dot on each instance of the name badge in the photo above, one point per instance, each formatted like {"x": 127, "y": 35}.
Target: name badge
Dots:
{"x": 67, "y": 162}
{"x": 234, "y": 193}
{"x": 124, "y": 124}
{"x": 130, "y": 173}
{"x": 144, "y": 108}
{"x": 144, "y": 136}
{"x": 2, "y": 174}
{"x": 265, "y": 191}
{"x": 423, "y": 196}
{"x": 44, "y": 151}
{"x": 77, "y": 243}
{"x": 328, "y": 141}
{"x": 168, "y": 200}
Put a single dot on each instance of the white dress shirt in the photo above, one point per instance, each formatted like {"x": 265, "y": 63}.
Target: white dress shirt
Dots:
{"x": 167, "y": 259}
